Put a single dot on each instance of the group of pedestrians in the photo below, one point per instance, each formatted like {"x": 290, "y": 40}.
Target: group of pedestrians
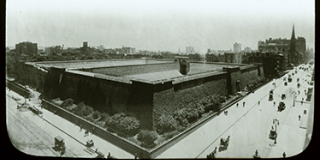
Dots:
{"x": 257, "y": 156}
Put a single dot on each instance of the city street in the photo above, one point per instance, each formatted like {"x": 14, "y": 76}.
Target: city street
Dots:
{"x": 34, "y": 136}
{"x": 249, "y": 126}
{"x": 48, "y": 127}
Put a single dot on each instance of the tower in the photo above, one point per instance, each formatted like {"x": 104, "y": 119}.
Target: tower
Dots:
{"x": 292, "y": 56}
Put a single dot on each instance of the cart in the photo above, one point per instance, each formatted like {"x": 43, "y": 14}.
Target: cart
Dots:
{"x": 100, "y": 155}
{"x": 89, "y": 143}
{"x": 273, "y": 134}
{"x": 224, "y": 144}
{"x": 59, "y": 143}
{"x": 212, "y": 155}
{"x": 281, "y": 106}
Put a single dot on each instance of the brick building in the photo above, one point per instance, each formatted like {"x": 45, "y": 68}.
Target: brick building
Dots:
{"x": 233, "y": 57}
{"x": 26, "y": 49}
{"x": 291, "y": 49}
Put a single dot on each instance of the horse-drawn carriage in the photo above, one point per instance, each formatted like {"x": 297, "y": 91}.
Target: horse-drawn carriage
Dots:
{"x": 212, "y": 155}
{"x": 224, "y": 144}
{"x": 90, "y": 143}
{"x": 281, "y": 106}
{"x": 273, "y": 134}
{"x": 59, "y": 144}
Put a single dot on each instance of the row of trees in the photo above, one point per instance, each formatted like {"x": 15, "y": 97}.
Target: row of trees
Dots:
{"x": 167, "y": 125}
{"x": 188, "y": 114}
{"x": 170, "y": 125}
{"x": 119, "y": 122}
{"x": 253, "y": 84}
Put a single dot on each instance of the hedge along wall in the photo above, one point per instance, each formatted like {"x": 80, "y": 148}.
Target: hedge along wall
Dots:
{"x": 109, "y": 96}
{"x": 244, "y": 75}
{"x": 135, "y": 69}
{"x": 248, "y": 75}
{"x": 166, "y": 98}
{"x": 97, "y": 130}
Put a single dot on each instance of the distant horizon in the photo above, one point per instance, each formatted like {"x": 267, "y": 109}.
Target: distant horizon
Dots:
{"x": 158, "y": 25}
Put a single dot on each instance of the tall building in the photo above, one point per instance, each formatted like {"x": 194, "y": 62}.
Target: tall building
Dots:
{"x": 85, "y": 44}
{"x": 26, "y": 49}
{"x": 190, "y": 50}
{"x": 85, "y": 48}
{"x": 236, "y": 47}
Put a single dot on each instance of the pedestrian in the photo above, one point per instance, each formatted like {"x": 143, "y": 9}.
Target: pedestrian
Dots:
{"x": 109, "y": 156}
{"x": 278, "y": 122}
{"x": 258, "y": 103}
{"x": 244, "y": 103}
{"x": 237, "y": 104}
{"x": 284, "y": 154}
{"x": 274, "y": 103}
{"x": 299, "y": 117}
{"x": 97, "y": 150}
{"x": 80, "y": 127}
{"x": 135, "y": 156}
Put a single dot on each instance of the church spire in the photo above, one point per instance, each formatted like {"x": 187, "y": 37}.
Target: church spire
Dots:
{"x": 292, "y": 56}
{"x": 292, "y": 35}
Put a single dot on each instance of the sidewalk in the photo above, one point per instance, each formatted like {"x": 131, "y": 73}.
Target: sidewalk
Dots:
{"x": 194, "y": 147}
{"x": 74, "y": 130}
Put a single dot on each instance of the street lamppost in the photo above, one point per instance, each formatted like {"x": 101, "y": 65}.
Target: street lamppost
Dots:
{"x": 294, "y": 98}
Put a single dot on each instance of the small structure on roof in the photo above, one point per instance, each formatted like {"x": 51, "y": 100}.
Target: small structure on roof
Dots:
{"x": 184, "y": 64}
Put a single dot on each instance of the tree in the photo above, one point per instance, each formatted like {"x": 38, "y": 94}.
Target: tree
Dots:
{"x": 129, "y": 125}
{"x": 66, "y": 103}
{"x": 166, "y": 123}
{"x": 147, "y": 137}
{"x": 96, "y": 114}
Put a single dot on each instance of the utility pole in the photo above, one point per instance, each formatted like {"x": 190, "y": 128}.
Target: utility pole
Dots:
{"x": 294, "y": 98}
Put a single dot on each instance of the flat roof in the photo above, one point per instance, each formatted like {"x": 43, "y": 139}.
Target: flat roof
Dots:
{"x": 94, "y": 63}
{"x": 156, "y": 76}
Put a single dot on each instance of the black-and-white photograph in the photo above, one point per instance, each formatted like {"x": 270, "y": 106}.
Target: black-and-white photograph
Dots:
{"x": 160, "y": 79}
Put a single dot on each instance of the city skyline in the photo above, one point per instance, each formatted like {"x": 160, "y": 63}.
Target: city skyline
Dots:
{"x": 158, "y": 25}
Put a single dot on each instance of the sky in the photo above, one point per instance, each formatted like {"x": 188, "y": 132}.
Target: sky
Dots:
{"x": 154, "y": 25}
